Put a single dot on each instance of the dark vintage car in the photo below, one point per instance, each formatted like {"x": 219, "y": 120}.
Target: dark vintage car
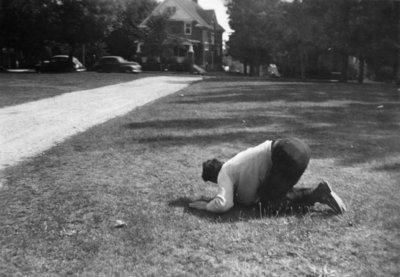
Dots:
{"x": 116, "y": 64}
{"x": 60, "y": 63}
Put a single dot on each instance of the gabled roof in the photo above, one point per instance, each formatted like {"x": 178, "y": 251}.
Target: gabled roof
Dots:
{"x": 187, "y": 10}
{"x": 210, "y": 17}
{"x": 192, "y": 8}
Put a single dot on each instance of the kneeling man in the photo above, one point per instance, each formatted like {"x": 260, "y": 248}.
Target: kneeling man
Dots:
{"x": 266, "y": 173}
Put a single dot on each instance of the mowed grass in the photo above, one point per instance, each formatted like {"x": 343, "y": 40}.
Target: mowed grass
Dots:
{"x": 18, "y": 88}
{"x": 58, "y": 210}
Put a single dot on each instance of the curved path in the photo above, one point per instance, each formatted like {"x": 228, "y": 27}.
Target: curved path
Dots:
{"x": 30, "y": 128}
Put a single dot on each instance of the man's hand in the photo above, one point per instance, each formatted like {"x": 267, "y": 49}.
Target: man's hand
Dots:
{"x": 200, "y": 205}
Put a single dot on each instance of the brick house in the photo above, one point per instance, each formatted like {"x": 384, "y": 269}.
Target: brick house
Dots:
{"x": 192, "y": 32}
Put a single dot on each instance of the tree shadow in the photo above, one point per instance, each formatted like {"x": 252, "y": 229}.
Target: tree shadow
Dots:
{"x": 393, "y": 167}
{"x": 289, "y": 92}
{"x": 347, "y": 122}
{"x": 200, "y": 123}
{"x": 349, "y": 138}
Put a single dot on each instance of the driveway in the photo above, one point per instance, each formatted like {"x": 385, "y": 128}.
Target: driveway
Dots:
{"x": 28, "y": 129}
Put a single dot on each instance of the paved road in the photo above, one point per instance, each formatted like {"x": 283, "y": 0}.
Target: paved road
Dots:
{"x": 28, "y": 129}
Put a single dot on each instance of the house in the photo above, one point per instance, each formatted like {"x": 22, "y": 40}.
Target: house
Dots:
{"x": 193, "y": 33}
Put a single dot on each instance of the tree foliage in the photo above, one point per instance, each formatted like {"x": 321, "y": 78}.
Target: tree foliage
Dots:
{"x": 255, "y": 25}
{"x": 29, "y": 25}
{"x": 155, "y": 33}
{"x": 363, "y": 29}
{"x": 301, "y": 34}
{"x": 85, "y": 21}
{"x": 123, "y": 39}
{"x": 24, "y": 25}
{"x": 290, "y": 31}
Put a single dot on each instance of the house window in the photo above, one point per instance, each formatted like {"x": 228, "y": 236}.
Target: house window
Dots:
{"x": 205, "y": 36}
{"x": 212, "y": 38}
{"x": 188, "y": 28}
{"x": 180, "y": 51}
{"x": 171, "y": 10}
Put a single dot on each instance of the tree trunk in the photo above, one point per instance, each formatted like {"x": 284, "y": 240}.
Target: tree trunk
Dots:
{"x": 71, "y": 55}
{"x": 160, "y": 53}
{"x": 398, "y": 68}
{"x": 361, "y": 64}
{"x": 256, "y": 71}
{"x": 397, "y": 59}
{"x": 396, "y": 63}
{"x": 84, "y": 54}
{"x": 303, "y": 65}
{"x": 252, "y": 68}
{"x": 345, "y": 67}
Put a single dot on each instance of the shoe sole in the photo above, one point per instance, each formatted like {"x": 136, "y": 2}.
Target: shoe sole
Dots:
{"x": 333, "y": 200}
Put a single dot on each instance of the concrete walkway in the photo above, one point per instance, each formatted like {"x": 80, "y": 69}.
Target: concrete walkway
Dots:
{"x": 28, "y": 129}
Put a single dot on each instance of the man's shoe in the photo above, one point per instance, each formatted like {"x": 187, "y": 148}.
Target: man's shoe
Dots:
{"x": 329, "y": 197}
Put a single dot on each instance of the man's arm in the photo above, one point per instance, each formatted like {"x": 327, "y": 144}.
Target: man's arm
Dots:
{"x": 224, "y": 199}
{"x": 200, "y": 205}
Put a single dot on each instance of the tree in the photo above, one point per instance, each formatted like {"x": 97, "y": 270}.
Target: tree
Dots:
{"x": 361, "y": 28}
{"x": 28, "y": 25}
{"x": 396, "y": 73}
{"x": 155, "y": 34}
{"x": 122, "y": 40}
{"x": 24, "y": 26}
{"x": 83, "y": 21}
{"x": 255, "y": 25}
{"x": 294, "y": 31}
{"x": 301, "y": 33}
{"x": 380, "y": 44}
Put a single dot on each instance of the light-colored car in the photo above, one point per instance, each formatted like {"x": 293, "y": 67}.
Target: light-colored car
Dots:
{"x": 116, "y": 64}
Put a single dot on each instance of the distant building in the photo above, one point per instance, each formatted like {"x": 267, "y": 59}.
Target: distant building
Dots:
{"x": 192, "y": 31}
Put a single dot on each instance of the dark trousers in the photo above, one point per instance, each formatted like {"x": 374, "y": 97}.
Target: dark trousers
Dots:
{"x": 290, "y": 158}
{"x": 295, "y": 200}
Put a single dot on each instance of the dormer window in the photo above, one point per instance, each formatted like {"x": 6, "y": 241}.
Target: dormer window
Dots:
{"x": 171, "y": 10}
{"x": 188, "y": 28}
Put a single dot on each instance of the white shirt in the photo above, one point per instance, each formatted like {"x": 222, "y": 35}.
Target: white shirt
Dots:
{"x": 240, "y": 178}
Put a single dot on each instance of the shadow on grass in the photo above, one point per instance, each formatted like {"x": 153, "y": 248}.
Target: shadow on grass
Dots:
{"x": 291, "y": 93}
{"x": 200, "y": 123}
{"x": 245, "y": 213}
{"x": 346, "y": 122}
{"x": 395, "y": 167}
{"x": 206, "y": 140}
{"x": 347, "y": 144}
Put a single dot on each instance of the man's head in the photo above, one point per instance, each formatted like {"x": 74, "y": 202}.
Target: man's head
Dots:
{"x": 211, "y": 170}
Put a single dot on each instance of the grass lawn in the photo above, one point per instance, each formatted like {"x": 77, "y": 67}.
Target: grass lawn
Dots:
{"x": 58, "y": 210}
{"x": 18, "y": 88}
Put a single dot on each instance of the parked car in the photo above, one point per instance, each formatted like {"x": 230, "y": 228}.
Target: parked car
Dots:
{"x": 60, "y": 63}
{"x": 116, "y": 64}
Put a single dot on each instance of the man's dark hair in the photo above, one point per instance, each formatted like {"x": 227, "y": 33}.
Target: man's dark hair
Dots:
{"x": 211, "y": 170}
